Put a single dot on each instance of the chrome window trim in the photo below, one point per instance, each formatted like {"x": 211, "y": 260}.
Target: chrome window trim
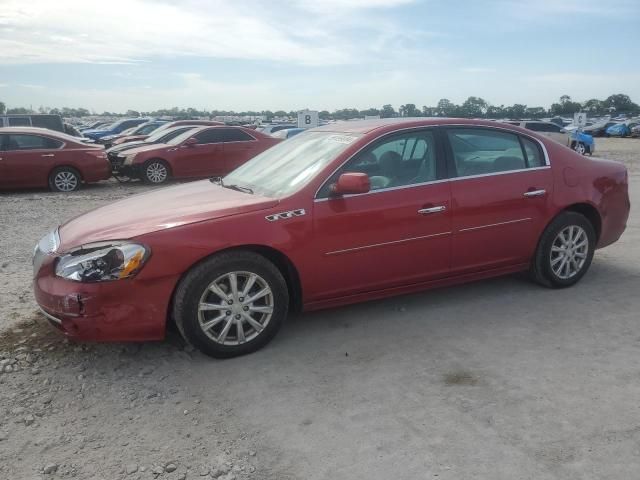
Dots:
{"x": 393, "y": 242}
{"x": 506, "y": 172}
{"x": 424, "y": 127}
{"x": 454, "y": 179}
{"x": 382, "y": 190}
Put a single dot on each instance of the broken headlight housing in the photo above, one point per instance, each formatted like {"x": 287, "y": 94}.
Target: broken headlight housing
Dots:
{"x": 102, "y": 262}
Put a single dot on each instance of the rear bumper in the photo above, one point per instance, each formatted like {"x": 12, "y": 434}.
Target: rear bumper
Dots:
{"x": 97, "y": 173}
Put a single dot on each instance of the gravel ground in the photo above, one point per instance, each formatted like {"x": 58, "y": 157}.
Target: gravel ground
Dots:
{"x": 499, "y": 379}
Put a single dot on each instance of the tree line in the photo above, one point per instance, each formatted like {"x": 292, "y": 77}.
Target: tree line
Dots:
{"x": 472, "y": 107}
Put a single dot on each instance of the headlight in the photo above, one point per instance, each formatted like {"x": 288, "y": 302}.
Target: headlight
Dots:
{"x": 47, "y": 245}
{"x": 102, "y": 262}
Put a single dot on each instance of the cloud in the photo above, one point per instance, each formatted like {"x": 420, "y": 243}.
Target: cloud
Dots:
{"x": 131, "y": 31}
{"x": 477, "y": 69}
{"x": 554, "y": 10}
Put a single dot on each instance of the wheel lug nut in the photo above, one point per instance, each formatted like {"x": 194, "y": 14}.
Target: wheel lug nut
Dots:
{"x": 228, "y": 312}
{"x": 245, "y": 308}
{"x": 241, "y": 299}
{"x": 230, "y": 302}
{"x": 237, "y": 317}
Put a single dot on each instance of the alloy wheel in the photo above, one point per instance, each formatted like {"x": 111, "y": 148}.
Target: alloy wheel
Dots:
{"x": 580, "y": 148}
{"x": 156, "y": 172}
{"x": 65, "y": 181}
{"x": 569, "y": 252}
{"x": 235, "y": 308}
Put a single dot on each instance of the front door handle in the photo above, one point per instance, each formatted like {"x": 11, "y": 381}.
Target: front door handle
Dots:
{"x": 47, "y": 155}
{"x": 535, "y": 193}
{"x": 427, "y": 211}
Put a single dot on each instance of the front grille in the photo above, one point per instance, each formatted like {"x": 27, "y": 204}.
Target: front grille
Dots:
{"x": 115, "y": 160}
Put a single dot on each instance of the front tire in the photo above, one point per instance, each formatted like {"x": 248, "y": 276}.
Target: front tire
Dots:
{"x": 564, "y": 252}
{"x": 231, "y": 304}
{"x": 64, "y": 179}
{"x": 155, "y": 172}
{"x": 580, "y": 148}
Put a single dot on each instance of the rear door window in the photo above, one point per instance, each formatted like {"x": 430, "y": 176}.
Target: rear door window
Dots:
{"x": 31, "y": 142}
{"x": 236, "y": 135}
{"x": 484, "y": 151}
{"x": 213, "y": 135}
{"x": 535, "y": 158}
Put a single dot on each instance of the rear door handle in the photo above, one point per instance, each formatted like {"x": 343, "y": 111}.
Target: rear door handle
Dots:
{"x": 535, "y": 193}
{"x": 47, "y": 155}
{"x": 427, "y": 211}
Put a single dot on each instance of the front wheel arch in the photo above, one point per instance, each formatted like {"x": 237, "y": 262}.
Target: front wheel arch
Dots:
{"x": 141, "y": 167}
{"x": 281, "y": 261}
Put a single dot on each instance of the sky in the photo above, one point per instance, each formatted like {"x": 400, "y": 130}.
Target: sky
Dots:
{"x": 320, "y": 54}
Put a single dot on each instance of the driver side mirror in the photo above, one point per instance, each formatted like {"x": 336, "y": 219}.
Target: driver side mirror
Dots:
{"x": 351, "y": 183}
{"x": 190, "y": 142}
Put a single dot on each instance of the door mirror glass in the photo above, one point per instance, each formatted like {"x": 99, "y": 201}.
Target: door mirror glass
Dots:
{"x": 351, "y": 183}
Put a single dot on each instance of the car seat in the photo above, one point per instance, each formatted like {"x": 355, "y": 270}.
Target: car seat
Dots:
{"x": 504, "y": 164}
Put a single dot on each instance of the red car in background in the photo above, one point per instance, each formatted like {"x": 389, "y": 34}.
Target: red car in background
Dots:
{"x": 177, "y": 123}
{"x": 200, "y": 152}
{"x": 38, "y": 157}
{"x": 339, "y": 214}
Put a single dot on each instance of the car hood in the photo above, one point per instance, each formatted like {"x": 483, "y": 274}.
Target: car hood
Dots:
{"x": 159, "y": 210}
{"x": 146, "y": 148}
{"x": 96, "y": 132}
{"x": 127, "y": 146}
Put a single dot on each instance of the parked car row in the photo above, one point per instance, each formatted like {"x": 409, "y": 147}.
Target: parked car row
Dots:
{"x": 37, "y": 157}
{"x": 579, "y": 141}
{"x": 200, "y": 151}
{"x": 33, "y": 157}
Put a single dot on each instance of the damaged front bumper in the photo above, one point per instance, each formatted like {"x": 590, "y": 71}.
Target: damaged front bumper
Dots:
{"x": 121, "y": 310}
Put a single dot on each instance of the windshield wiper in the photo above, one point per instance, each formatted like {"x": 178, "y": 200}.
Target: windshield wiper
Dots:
{"x": 238, "y": 188}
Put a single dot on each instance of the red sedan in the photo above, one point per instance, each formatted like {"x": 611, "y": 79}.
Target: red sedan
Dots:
{"x": 38, "y": 157}
{"x": 339, "y": 214}
{"x": 200, "y": 152}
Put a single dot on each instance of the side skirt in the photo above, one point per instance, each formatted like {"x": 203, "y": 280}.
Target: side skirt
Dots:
{"x": 412, "y": 288}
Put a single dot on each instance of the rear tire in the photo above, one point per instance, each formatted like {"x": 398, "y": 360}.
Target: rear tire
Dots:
{"x": 231, "y": 304}
{"x": 564, "y": 251}
{"x": 64, "y": 179}
{"x": 155, "y": 172}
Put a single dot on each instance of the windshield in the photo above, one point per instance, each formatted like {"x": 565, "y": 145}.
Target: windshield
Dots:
{"x": 145, "y": 128}
{"x": 166, "y": 134}
{"x": 288, "y": 166}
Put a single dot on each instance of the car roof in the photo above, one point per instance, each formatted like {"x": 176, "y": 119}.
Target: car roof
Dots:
{"x": 390, "y": 124}
{"x": 34, "y": 131}
{"x": 42, "y": 131}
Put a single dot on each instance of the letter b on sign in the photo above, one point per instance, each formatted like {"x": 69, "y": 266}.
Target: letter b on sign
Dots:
{"x": 307, "y": 119}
